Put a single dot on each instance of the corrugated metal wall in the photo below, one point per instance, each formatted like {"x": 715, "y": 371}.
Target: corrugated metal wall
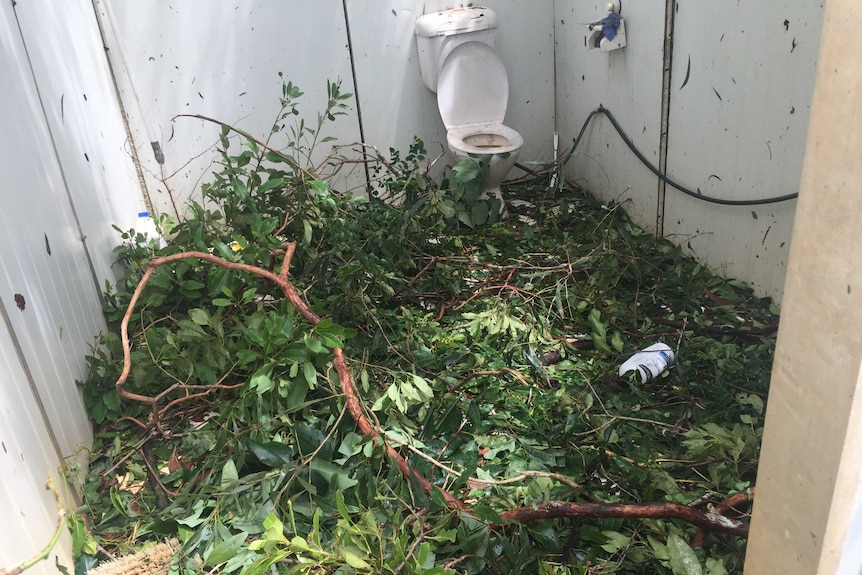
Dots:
{"x": 165, "y": 50}
{"x": 736, "y": 124}
{"x": 66, "y": 179}
{"x": 741, "y": 81}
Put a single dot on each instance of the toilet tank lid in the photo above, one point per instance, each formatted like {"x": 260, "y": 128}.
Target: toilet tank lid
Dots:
{"x": 456, "y": 21}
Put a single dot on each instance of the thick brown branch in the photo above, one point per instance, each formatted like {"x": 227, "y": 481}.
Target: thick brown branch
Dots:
{"x": 559, "y": 509}
{"x": 710, "y": 521}
{"x": 339, "y": 362}
{"x": 722, "y": 508}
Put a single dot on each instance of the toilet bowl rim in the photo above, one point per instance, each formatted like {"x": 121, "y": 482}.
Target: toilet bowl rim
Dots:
{"x": 459, "y": 133}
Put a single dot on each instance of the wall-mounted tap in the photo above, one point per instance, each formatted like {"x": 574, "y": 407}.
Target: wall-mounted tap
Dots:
{"x": 609, "y": 33}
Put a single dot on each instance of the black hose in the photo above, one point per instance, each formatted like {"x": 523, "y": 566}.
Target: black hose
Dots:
{"x": 663, "y": 177}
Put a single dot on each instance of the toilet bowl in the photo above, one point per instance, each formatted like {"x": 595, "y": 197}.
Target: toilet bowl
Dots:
{"x": 491, "y": 143}
{"x": 458, "y": 61}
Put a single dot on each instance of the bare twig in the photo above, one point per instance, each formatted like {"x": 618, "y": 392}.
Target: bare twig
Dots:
{"x": 496, "y": 373}
{"x": 153, "y": 476}
{"x": 43, "y": 554}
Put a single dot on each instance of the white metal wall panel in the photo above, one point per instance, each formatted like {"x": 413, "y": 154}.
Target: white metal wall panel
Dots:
{"x": 395, "y": 103}
{"x": 28, "y": 513}
{"x": 628, "y": 83}
{"x": 85, "y": 120}
{"x": 743, "y": 75}
{"x": 222, "y": 60}
{"x": 46, "y": 285}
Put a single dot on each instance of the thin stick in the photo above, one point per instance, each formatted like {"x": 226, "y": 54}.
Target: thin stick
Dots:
{"x": 42, "y": 555}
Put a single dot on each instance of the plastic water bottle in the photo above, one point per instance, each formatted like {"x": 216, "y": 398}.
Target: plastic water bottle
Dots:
{"x": 147, "y": 226}
{"x": 648, "y": 363}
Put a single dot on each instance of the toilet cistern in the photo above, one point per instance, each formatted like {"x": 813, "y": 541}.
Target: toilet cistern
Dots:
{"x": 457, "y": 61}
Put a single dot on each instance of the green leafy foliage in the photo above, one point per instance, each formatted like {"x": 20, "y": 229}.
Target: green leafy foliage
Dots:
{"x": 481, "y": 348}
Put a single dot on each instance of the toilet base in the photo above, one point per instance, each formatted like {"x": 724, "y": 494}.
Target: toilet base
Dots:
{"x": 495, "y": 193}
{"x": 498, "y": 168}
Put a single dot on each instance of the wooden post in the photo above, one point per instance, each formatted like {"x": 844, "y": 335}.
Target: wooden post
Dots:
{"x": 816, "y": 368}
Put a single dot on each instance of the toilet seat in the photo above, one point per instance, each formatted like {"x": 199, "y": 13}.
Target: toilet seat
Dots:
{"x": 472, "y": 87}
{"x": 459, "y": 138}
{"x": 472, "y": 95}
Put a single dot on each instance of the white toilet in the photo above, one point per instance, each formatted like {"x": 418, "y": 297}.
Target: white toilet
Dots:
{"x": 458, "y": 62}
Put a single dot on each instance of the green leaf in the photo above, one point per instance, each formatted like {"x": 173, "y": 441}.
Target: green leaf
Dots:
{"x": 446, "y": 208}
{"x": 409, "y": 392}
{"x": 331, "y": 341}
{"x": 715, "y": 567}
{"x": 261, "y": 383}
{"x": 683, "y": 560}
{"x": 353, "y": 556}
{"x": 229, "y": 475}
{"x": 299, "y": 544}
{"x": 423, "y": 386}
{"x": 296, "y": 395}
{"x": 486, "y": 513}
{"x": 310, "y": 374}
{"x": 272, "y": 183}
{"x": 320, "y": 187}
{"x": 314, "y": 344}
{"x": 239, "y": 188}
{"x": 395, "y": 395}
{"x": 272, "y": 453}
{"x": 226, "y": 549}
{"x": 306, "y": 235}
{"x": 466, "y": 170}
{"x": 82, "y": 542}
{"x": 334, "y": 474}
{"x": 659, "y": 548}
{"x": 594, "y": 322}
{"x": 599, "y": 331}
{"x": 191, "y": 332}
{"x": 617, "y": 342}
{"x": 199, "y": 316}
{"x": 423, "y": 356}
{"x": 222, "y": 302}
{"x": 615, "y": 541}
{"x": 479, "y": 213}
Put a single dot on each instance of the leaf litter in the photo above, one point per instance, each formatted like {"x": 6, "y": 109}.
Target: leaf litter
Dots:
{"x": 485, "y": 350}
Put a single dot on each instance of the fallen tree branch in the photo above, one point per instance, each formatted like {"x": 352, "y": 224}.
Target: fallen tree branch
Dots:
{"x": 339, "y": 362}
{"x": 564, "y": 509}
{"x": 712, "y": 521}
{"x": 722, "y": 508}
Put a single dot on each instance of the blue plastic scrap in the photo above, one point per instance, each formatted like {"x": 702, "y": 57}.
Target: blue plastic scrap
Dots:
{"x": 610, "y": 25}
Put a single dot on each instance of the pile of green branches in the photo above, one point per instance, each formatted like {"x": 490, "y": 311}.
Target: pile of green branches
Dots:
{"x": 483, "y": 360}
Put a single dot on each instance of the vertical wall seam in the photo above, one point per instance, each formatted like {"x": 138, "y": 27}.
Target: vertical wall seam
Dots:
{"x": 355, "y": 88}
{"x": 133, "y": 150}
{"x": 554, "y": 55}
{"x": 31, "y": 381}
{"x": 670, "y": 9}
